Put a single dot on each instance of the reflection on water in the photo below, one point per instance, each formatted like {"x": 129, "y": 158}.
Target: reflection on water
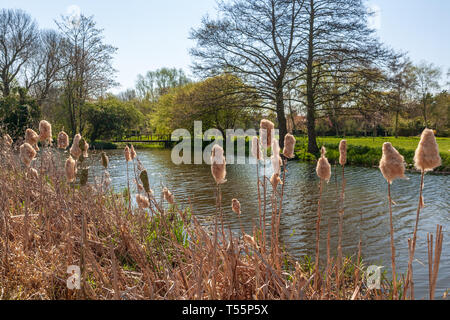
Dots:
{"x": 366, "y": 207}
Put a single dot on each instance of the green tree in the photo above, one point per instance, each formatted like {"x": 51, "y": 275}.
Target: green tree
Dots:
{"x": 440, "y": 113}
{"x": 428, "y": 77}
{"x": 111, "y": 118}
{"x": 18, "y": 112}
{"x": 402, "y": 80}
{"x": 221, "y": 102}
{"x": 156, "y": 83}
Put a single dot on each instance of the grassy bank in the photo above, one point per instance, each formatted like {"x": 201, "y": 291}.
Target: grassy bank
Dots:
{"x": 364, "y": 151}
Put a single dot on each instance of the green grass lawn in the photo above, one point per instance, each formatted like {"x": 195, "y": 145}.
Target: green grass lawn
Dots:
{"x": 406, "y": 143}
{"x": 366, "y": 151}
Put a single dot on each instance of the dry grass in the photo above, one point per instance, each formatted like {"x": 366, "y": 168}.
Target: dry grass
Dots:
{"x": 163, "y": 252}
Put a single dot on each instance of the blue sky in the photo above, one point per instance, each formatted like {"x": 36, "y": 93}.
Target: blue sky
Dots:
{"x": 154, "y": 33}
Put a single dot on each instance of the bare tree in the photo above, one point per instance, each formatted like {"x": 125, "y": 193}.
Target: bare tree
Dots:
{"x": 88, "y": 71}
{"x": 258, "y": 40}
{"x": 18, "y": 43}
{"x": 271, "y": 43}
{"x": 428, "y": 77}
{"x": 339, "y": 45}
{"x": 402, "y": 81}
{"x": 44, "y": 68}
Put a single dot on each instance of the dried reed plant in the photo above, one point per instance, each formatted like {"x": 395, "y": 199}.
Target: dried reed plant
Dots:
{"x": 426, "y": 158}
{"x": 32, "y": 138}
{"x": 63, "y": 140}
{"x": 323, "y": 171}
{"x": 392, "y": 166}
{"x": 136, "y": 256}
{"x": 342, "y": 162}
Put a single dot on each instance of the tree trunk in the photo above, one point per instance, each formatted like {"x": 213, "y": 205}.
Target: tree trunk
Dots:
{"x": 396, "y": 124}
{"x": 5, "y": 85}
{"x": 425, "y": 111}
{"x": 281, "y": 117}
{"x": 310, "y": 107}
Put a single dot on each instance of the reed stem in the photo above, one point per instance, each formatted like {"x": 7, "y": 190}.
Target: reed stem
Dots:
{"x": 409, "y": 277}
{"x": 319, "y": 215}
{"x": 394, "y": 274}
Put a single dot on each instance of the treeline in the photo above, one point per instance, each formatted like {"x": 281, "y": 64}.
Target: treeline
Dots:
{"x": 318, "y": 63}
{"x": 61, "y": 75}
{"x": 314, "y": 67}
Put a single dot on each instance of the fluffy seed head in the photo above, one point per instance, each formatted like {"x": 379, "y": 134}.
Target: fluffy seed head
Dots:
{"x": 323, "y": 168}
{"x": 275, "y": 146}
{"x": 256, "y": 148}
{"x": 427, "y": 153}
{"x": 276, "y": 163}
{"x": 75, "y": 150}
{"x": 71, "y": 169}
{"x": 127, "y": 154}
{"x": 32, "y": 138}
{"x": 343, "y": 152}
{"x": 275, "y": 180}
{"x": 27, "y": 153}
{"x": 250, "y": 240}
{"x": 218, "y": 164}
{"x": 34, "y": 173}
{"x": 142, "y": 201}
{"x": 392, "y": 163}
{"x": 139, "y": 186}
{"x": 236, "y": 206}
{"x": 45, "y": 131}
{"x": 289, "y": 145}
{"x": 168, "y": 196}
{"x": 63, "y": 140}
{"x": 105, "y": 160}
{"x": 132, "y": 153}
{"x": 267, "y": 130}
{"x": 7, "y": 140}
{"x": 84, "y": 146}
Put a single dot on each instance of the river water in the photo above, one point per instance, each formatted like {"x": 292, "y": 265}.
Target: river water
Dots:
{"x": 366, "y": 208}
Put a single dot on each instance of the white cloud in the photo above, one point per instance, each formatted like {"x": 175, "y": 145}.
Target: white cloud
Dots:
{"x": 74, "y": 13}
{"x": 374, "y": 21}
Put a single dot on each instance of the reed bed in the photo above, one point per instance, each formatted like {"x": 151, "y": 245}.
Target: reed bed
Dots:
{"x": 51, "y": 218}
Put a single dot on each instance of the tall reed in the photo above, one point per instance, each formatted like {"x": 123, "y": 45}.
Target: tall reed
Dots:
{"x": 147, "y": 256}
{"x": 426, "y": 159}
{"x": 323, "y": 171}
{"x": 342, "y": 162}
{"x": 392, "y": 166}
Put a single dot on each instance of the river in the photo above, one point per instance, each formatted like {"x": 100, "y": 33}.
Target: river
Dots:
{"x": 366, "y": 208}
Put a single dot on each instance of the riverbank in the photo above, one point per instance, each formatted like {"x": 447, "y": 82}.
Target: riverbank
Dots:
{"x": 156, "y": 251}
{"x": 366, "y": 152}
{"x": 362, "y": 151}
{"x": 167, "y": 251}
